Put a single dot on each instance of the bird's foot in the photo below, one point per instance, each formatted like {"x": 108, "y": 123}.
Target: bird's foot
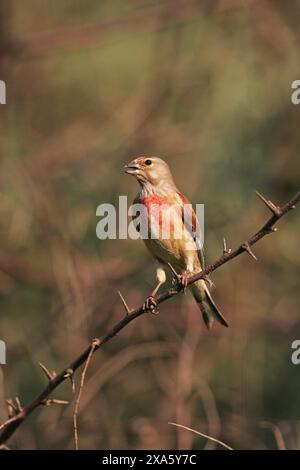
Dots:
{"x": 180, "y": 281}
{"x": 150, "y": 305}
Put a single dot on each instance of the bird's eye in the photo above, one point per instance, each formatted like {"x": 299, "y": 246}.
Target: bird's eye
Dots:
{"x": 148, "y": 162}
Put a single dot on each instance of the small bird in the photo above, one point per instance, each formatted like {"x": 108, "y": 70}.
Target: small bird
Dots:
{"x": 166, "y": 207}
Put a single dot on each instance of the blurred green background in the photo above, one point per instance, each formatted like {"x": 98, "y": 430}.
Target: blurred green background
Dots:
{"x": 206, "y": 85}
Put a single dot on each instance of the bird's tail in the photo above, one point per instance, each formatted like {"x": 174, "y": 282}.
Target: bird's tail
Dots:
{"x": 206, "y": 304}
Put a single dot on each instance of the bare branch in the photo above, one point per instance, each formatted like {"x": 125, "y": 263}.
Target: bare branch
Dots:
{"x": 203, "y": 435}
{"x": 10, "y": 426}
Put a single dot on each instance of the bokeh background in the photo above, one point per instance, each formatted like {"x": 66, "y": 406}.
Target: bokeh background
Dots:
{"x": 207, "y": 85}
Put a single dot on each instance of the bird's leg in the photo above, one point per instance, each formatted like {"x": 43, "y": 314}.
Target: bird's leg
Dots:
{"x": 150, "y": 304}
{"x": 180, "y": 281}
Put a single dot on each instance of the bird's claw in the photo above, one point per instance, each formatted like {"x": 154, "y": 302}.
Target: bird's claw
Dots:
{"x": 150, "y": 305}
{"x": 181, "y": 281}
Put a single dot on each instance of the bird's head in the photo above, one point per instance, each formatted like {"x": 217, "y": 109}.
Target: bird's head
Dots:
{"x": 150, "y": 170}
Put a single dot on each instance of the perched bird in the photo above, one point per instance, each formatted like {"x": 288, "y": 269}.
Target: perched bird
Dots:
{"x": 178, "y": 247}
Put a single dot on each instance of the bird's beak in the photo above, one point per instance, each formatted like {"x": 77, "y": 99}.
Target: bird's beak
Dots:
{"x": 131, "y": 168}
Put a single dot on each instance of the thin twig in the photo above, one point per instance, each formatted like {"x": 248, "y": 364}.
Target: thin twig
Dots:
{"x": 202, "y": 435}
{"x": 10, "y": 426}
{"x": 277, "y": 434}
{"x": 76, "y": 408}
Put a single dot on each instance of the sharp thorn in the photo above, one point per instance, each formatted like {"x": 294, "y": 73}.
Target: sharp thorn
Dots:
{"x": 247, "y": 248}
{"x": 225, "y": 249}
{"x": 19, "y": 405}
{"x": 11, "y": 403}
{"x": 124, "y": 303}
{"x": 11, "y": 408}
{"x": 54, "y": 401}
{"x": 271, "y": 206}
{"x": 48, "y": 374}
{"x": 72, "y": 383}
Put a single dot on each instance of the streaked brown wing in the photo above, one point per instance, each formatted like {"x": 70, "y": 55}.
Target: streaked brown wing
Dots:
{"x": 192, "y": 225}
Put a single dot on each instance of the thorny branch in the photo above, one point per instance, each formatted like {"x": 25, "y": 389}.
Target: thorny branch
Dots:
{"x": 8, "y": 428}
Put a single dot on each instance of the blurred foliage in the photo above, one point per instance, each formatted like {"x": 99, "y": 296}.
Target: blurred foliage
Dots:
{"x": 207, "y": 86}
